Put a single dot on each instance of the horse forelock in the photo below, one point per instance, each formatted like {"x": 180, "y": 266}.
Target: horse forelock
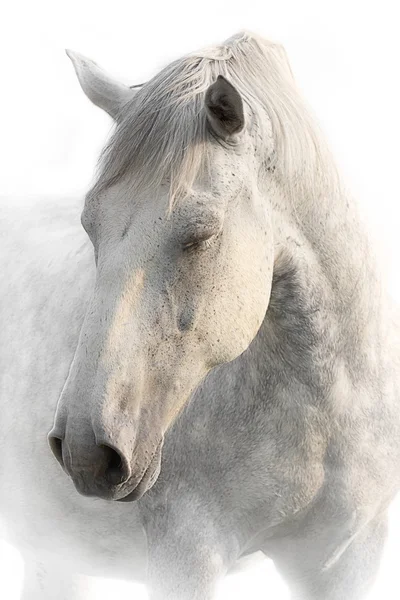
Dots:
{"x": 162, "y": 134}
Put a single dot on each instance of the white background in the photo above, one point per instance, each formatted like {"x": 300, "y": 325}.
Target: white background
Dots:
{"x": 345, "y": 56}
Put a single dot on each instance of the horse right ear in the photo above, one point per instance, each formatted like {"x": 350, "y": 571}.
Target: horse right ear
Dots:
{"x": 224, "y": 108}
{"x": 104, "y": 91}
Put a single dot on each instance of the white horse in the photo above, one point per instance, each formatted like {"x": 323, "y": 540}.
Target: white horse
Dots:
{"x": 230, "y": 267}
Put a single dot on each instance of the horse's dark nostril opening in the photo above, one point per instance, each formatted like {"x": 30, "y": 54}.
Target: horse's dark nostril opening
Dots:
{"x": 56, "y": 447}
{"x": 116, "y": 471}
{"x": 103, "y": 464}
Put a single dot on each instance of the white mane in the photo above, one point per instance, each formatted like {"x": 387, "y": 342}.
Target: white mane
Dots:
{"x": 162, "y": 132}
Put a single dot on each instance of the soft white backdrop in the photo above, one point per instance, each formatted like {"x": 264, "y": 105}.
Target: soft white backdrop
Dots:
{"x": 345, "y": 56}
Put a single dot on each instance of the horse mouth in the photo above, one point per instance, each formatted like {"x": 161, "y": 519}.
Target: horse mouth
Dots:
{"x": 148, "y": 479}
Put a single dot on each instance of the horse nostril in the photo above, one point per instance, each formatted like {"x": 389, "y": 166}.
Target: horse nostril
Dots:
{"x": 56, "y": 447}
{"x": 116, "y": 471}
{"x": 100, "y": 462}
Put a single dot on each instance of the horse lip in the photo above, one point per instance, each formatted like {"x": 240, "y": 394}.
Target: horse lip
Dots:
{"x": 148, "y": 479}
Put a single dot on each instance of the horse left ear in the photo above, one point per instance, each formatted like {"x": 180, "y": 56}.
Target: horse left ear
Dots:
{"x": 102, "y": 89}
{"x": 224, "y": 108}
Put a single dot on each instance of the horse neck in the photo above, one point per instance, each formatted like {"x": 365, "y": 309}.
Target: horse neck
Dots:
{"x": 325, "y": 311}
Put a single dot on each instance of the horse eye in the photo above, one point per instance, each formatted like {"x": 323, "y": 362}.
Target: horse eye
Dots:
{"x": 189, "y": 245}
{"x": 200, "y": 236}
{"x": 198, "y": 244}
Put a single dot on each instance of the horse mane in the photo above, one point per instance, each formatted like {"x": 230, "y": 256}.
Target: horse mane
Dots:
{"x": 161, "y": 133}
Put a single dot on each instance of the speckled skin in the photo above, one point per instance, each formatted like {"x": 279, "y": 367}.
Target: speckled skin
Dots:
{"x": 264, "y": 308}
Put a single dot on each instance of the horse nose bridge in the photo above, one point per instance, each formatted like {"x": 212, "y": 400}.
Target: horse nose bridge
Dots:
{"x": 116, "y": 398}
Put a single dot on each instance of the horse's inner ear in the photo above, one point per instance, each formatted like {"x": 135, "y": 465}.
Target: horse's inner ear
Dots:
{"x": 224, "y": 107}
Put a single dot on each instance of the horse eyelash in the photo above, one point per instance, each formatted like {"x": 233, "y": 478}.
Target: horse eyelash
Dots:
{"x": 203, "y": 244}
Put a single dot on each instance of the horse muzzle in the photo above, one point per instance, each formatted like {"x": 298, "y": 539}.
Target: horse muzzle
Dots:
{"x": 104, "y": 471}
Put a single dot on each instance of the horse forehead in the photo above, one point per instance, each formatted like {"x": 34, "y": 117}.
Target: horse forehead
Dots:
{"x": 117, "y": 207}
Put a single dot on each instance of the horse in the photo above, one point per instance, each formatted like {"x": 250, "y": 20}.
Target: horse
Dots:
{"x": 207, "y": 368}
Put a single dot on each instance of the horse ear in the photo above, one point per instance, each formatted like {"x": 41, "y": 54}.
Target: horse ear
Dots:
{"x": 99, "y": 87}
{"x": 224, "y": 108}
